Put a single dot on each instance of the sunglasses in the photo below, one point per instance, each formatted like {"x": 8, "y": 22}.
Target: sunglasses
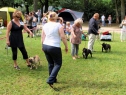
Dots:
{"x": 17, "y": 17}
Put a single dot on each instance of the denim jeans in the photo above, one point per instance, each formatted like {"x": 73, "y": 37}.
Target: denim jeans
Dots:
{"x": 39, "y": 19}
{"x": 74, "y": 49}
{"x": 103, "y": 23}
{"x": 54, "y": 58}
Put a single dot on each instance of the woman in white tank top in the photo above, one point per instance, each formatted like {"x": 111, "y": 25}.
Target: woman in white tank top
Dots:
{"x": 52, "y": 34}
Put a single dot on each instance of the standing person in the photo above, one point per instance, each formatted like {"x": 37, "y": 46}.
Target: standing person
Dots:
{"x": 14, "y": 38}
{"x": 25, "y": 20}
{"x": 34, "y": 24}
{"x": 34, "y": 21}
{"x": 123, "y": 30}
{"x": 103, "y": 20}
{"x": 35, "y": 15}
{"x": 44, "y": 19}
{"x": 93, "y": 30}
{"x": 75, "y": 39}
{"x": 109, "y": 20}
{"x": 52, "y": 34}
{"x": 68, "y": 30}
{"x": 30, "y": 19}
{"x": 39, "y": 16}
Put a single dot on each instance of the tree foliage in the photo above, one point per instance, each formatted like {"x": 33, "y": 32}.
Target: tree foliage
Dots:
{"x": 114, "y": 7}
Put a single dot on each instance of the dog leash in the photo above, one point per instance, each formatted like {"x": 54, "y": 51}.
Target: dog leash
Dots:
{"x": 99, "y": 41}
{"x": 6, "y": 47}
{"x": 85, "y": 44}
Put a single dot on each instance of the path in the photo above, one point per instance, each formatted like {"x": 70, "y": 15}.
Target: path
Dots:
{"x": 113, "y": 28}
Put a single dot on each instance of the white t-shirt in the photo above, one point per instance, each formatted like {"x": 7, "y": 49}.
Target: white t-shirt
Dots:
{"x": 103, "y": 18}
{"x": 124, "y": 27}
{"x": 51, "y": 30}
{"x": 69, "y": 27}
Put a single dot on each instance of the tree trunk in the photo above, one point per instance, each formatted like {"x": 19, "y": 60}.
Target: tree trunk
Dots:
{"x": 27, "y": 7}
{"x": 35, "y": 4}
{"x": 86, "y": 2}
{"x": 46, "y": 6}
{"x": 42, "y": 5}
{"x": 117, "y": 13}
{"x": 122, "y": 9}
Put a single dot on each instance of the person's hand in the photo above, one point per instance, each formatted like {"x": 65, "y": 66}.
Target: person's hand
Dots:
{"x": 98, "y": 32}
{"x": 8, "y": 43}
{"x": 66, "y": 49}
{"x": 31, "y": 34}
{"x": 74, "y": 36}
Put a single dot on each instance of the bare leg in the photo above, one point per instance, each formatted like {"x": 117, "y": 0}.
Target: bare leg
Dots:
{"x": 27, "y": 62}
{"x": 15, "y": 63}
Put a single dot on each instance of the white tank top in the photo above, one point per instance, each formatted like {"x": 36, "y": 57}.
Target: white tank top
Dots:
{"x": 51, "y": 30}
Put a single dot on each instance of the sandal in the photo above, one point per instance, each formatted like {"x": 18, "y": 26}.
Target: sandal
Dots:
{"x": 17, "y": 67}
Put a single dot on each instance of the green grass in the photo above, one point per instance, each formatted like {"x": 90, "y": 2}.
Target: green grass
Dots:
{"x": 104, "y": 74}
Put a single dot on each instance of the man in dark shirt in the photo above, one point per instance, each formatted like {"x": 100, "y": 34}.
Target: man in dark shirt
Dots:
{"x": 93, "y": 30}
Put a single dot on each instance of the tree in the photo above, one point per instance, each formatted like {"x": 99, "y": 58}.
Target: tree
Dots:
{"x": 122, "y": 9}
{"x": 115, "y": 2}
{"x": 35, "y": 4}
{"x": 6, "y": 3}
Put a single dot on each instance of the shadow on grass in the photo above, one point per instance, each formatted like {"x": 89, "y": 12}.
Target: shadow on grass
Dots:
{"x": 89, "y": 84}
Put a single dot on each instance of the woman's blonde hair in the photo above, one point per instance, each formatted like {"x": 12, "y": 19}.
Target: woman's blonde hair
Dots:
{"x": 17, "y": 13}
{"x": 52, "y": 16}
{"x": 78, "y": 21}
{"x": 67, "y": 23}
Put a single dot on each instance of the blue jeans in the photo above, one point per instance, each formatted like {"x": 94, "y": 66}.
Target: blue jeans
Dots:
{"x": 103, "y": 23}
{"x": 39, "y": 19}
{"x": 54, "y": 58}
{"x": 74, "y": 49}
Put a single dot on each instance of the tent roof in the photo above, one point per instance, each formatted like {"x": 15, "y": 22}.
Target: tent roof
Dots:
{"x": 70, "y": 15}
{"x": 76, "y": 13}
{"x": 7, "y": 9}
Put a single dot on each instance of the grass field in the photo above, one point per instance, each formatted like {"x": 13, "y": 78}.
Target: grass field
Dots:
{"x": 103, "y": 74}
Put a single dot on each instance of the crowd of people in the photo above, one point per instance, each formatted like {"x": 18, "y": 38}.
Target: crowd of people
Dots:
{"x": 54, "y": 30}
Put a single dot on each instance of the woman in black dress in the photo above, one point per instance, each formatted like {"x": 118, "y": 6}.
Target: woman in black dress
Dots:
{"x": 14, "y": 38}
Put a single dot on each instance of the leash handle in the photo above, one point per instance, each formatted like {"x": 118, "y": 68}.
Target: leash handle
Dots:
{"x": 7, "y": 47}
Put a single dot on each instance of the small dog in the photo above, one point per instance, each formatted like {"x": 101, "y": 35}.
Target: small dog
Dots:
{"x": 35, "y": 61}
{"x": 106, "y": 47}
{"x": 86, "y": 52}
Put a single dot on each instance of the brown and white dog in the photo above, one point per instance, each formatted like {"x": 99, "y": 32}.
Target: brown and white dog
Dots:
{"x": 34, "y": 61}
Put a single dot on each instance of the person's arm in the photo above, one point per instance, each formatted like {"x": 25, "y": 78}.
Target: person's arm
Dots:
{"x": 72, "y": 32}
{"x": 123, "y": 23}
{"x": 83, "y": 33}
{"x": 64, "y": 40}
{"x": 9, "y": 26}
{"x": 42, "y": 36}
